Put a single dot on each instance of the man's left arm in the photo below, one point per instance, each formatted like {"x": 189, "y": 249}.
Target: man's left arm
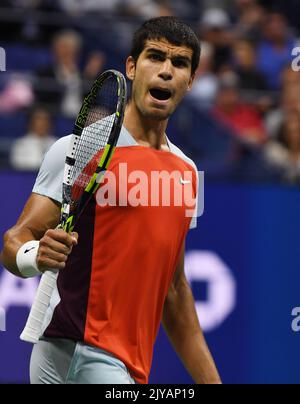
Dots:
{"x": 182, "y": 326}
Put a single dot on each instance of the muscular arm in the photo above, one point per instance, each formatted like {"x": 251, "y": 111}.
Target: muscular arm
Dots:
{"x": 39, "y": 217}
{"x": 183, "y": 329}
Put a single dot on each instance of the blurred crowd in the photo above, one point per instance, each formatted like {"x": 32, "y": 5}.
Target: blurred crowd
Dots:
{"x": 241, "y": 121}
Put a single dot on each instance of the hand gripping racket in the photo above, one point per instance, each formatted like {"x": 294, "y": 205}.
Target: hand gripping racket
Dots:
{"x": 91, "y": 148}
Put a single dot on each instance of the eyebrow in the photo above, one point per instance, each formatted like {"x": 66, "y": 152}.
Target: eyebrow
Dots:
{"x": 175, "y": 57}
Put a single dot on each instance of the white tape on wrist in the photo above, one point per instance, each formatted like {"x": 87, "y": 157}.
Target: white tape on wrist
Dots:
{"x": 26, "y": 259}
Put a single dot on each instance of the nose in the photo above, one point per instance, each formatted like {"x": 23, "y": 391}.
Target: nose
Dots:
{"x": 166, "y": 71}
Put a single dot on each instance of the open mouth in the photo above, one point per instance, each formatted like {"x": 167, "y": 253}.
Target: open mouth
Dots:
{"x": 160, "y": 95}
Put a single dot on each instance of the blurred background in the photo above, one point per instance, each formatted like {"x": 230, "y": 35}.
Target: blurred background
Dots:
{"x": 240, "y": 124}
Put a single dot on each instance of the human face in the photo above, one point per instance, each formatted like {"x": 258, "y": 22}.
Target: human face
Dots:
{"x": 160, "y": 78}
{"x": 244, "y": 54}
{"x": 276, "y": 28}
{"x": 40, "y": 123}
{"x": 228, "y": 99}
{"x": 66, "y": 51}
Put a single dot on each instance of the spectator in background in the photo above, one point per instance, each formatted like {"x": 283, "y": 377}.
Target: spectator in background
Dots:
{"x": 252, "y": 82}
{"x": 283, "y": 154}
{"x": 134, "y": 12}
{"x": 249, "y": 19}
{"x": 28, "y": 152}
{"x": 205, "y": 87}
{"x": 243, "y": 119}
{"x": 290, "y": 103}
{"x": 120, "y": 17}
{"x": 244, "y": 54}
{"x": 61, "y": 86}
{"x": 275, "y": 50}
{"x": 16, "y": 95}
{"x": 215, "y": 28}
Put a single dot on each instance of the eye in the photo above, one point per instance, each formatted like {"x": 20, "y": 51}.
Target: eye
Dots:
{"x": 156, "y": 58}
{"x": 180, "y": 63}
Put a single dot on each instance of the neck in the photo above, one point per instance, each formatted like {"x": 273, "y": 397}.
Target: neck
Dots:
{"x": 146, "y": 132}
{"x": 279, "y": 43}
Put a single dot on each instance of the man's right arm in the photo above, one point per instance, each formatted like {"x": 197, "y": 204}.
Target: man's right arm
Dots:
{"x": 38, "y": 221}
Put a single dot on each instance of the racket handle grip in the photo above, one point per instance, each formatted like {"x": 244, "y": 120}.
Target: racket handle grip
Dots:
{"x": 34, "y": 326}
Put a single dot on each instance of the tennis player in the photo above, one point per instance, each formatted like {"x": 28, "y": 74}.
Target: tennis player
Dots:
{"x": 124, "y": 275}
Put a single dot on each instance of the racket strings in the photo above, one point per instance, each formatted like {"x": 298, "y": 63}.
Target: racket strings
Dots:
{"x": 94, "y": 138}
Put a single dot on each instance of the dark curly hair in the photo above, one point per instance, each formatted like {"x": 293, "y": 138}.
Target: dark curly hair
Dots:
{"x": 173, "y": 30}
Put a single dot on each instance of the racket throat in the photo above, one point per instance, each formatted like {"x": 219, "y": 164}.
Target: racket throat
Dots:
{"x": 67, "y": 220}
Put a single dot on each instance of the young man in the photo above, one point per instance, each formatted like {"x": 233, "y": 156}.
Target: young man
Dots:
{"x": 125, "y": 274}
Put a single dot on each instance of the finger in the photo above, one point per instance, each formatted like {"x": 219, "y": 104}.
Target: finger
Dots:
{"x": 48, "y": 265}
{"x": 61, "y": 236}
{"x": 48, "y": 242}
{"x": 75, "y": 237}
{"x": 53, "y": 255}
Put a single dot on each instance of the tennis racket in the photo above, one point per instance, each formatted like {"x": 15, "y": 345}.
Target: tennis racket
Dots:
{"x": 96, "y": 133}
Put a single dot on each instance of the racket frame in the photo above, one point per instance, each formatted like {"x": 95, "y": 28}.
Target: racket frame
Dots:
{"x": 35, "y": 328}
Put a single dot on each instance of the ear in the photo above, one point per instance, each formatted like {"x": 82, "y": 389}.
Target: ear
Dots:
{"x": 191, "y": 82}
{"x": 130, "y": 68}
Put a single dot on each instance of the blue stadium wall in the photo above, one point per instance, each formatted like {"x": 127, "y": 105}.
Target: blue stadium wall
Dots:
{"x": 243, "y": 263}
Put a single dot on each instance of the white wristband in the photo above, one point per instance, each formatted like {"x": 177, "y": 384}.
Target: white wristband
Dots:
{"x": 26, "y": 259}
